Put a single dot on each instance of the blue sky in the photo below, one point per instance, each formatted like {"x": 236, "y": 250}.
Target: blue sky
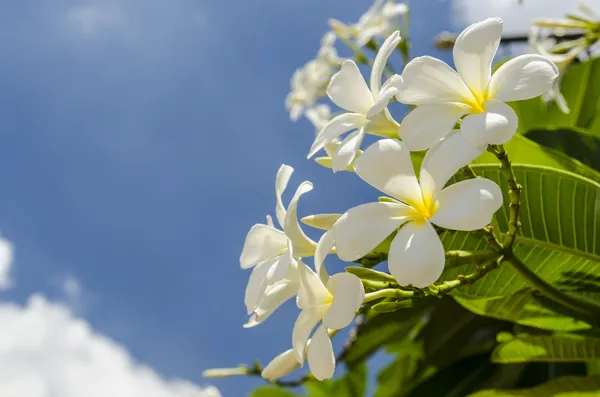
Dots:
{"x": 140, "y": 141}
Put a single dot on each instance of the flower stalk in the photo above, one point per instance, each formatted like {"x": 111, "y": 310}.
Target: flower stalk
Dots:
{"x": 514, "y": 195}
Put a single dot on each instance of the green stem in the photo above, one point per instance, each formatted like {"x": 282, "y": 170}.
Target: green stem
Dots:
{"x": 514, "y": 195}
{"x": 548, "y": 290}
{"x": 388, "y": 293}
{"x": 457, "y": 257}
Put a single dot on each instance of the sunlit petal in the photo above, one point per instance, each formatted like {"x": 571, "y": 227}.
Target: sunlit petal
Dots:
{"x": 321, "y": 359}
{"x": 428, "y": 124}
{"x": 363, "y": 228}
{"x": 468, "y": 205}
{"x": 305, "y": 323}
{"x": 256, "y": 286}
{"x": 474, "y": 52}
{"x": 303, "y": 246}
{"x": 386, "y": 165}
{"x": 416, "y": 255}
{"x": 281, "y": 181}
{"x": 380, "y": 62}
{"x": 262, "y": 243}
{"x": 497, "y": 125}
{"x": 429, "y": 81}
{"x": 336, "y": 127}
{"x": 347, "y": 151}
{"x": 313, "y": 290}
{"x": 348, "y": 89}
{"x": 274, "y": 296}
{"x": 523, "y": 77}
{"x": 348, "y": 295}
{"x": 443, "y": 160}
{"x": 324, "y": 247}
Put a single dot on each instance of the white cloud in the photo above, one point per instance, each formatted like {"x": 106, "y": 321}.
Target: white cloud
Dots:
{"x": 6, "y": 259}
{"x": 46, "y": 352}
{"x": 517, "y": 18}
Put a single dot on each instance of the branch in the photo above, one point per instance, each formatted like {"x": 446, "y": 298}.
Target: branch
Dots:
{"x": 514, "y": 195}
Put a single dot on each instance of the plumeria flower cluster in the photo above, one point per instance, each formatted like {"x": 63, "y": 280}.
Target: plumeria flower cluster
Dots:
{"x": 380, "y": 20}
{"x": 308, "y": 82}
{"x": 547, "y": 38}
{"x": 456, "y": 115}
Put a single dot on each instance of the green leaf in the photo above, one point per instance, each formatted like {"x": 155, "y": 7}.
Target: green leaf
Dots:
{"x": 559, "y": 239}
{"x": 394, "y": 378}
{"x": 522, "y": 308}
{"x": 547, "y": 348}
{"x": 576, "y": 143}
{"x": 272, "y": 391}
{"x": 567, "y": 386}
{"x": 449, "y": 331}
{"x": 459, "y": 379}
{"x": 525, "y": 151}
{"x": 381, "y": 329}
{"x": 352, "y": 384}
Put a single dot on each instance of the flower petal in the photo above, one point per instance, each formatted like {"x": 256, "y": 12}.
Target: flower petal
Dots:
{"x": 416, "y": 255}
{"x": 386, "y": 165}
{"x": 348, "y": 89}
{"x": 274, "y": 296}
{"x": 324, "y": 247}
{"x": 474, "y": 52}
{"x": 348, "y": 295}
{"x": 306, "y": 321}
{"x": 443, "y": 160}
{"x": 363, "y": 228}
{"x": 280, "y": 268}
{"x": 347, "y": 151}
{"x": 523, "y": 77}
{"x": 497, "y": 125}
{"x": 270, "y": 221}
{"x": 312, "y": 290}
{"x": 303, "y": 246}
{"x": 382, "y": 102}
{"x": 468, "y": 205}
{"x": 321, "y": 359}
{"x": 281, "y": 181}
{"x": 282, "y": 365}
{"x": 262, "y": 243}
{"x": 429, "y": 81}
{"x": 382, "y": 124}
{"x": 427, "y": 124}
{"x": 385, "y": 51}
{"x": 256, "y": 286}
{"x": 337, "y": 126}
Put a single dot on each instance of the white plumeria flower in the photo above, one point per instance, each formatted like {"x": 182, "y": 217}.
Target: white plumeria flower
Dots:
{"x": 308, "y": 83}
{"x": 380, "y": 20}
{"x": 319, "y": 116}
{"x": 367, "y": 107}
{"x": 274, "y": 254}
{"x": 416, "y": 256}
{"x": 542, "y": 44}
{"x": 331, "y": 301}
{"x": 444, "y": 96}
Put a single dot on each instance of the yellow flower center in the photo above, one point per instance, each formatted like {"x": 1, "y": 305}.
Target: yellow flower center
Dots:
{"x": 421, "y": 212}
{"x": 478, "y": 105}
